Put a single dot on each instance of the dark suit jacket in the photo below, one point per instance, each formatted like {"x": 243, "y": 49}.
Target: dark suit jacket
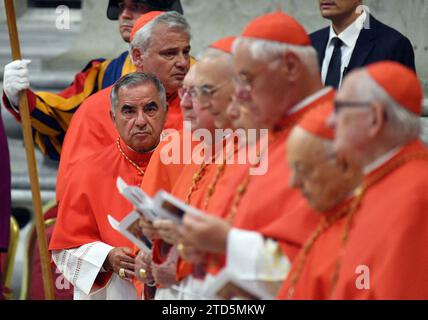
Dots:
{"x": 377, "y": 43}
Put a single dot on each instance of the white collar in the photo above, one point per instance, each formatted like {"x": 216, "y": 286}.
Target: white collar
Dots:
{"x": 381, "y": 160}
{"x": 350, "y": 35}
{"x": 308, "y": 100}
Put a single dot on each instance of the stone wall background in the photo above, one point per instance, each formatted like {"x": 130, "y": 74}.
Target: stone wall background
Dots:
{"x": 212, "y": 19}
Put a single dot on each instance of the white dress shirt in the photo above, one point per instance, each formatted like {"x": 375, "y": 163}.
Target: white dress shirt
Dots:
{"x": 349, "y": 38}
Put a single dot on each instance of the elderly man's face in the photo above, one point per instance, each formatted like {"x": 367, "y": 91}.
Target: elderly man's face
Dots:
{"x": 260, "y": 86}
{"x": 140, "y": 116}
{"x": 168, "y": 57}
{"x": 194, "y": 109}
{"x": 352, "y": 121}
{"x": 186, "y": 102}
{"x": 315, "y": 172}
{"x": 240, "y": 116}
{"x": 215, "y": 88}
{"x": 129, "y": 12}
{"x": 332, "y": 9}
{"x": 201, "y": 106}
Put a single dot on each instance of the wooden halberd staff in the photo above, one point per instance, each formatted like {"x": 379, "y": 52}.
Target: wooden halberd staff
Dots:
{"x": 31, "y": 158}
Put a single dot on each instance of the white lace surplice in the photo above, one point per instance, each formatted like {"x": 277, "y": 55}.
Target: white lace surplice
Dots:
{"x": 81, "y": 266}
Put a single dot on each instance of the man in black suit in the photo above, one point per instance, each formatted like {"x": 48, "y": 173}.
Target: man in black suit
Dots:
{"x": 354, "y": 39}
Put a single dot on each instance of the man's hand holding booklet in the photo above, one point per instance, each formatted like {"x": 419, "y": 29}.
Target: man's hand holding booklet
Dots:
{"x": 163, "y": 206}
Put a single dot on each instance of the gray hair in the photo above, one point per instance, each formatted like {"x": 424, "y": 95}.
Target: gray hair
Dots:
{"x": 132, "y": 80}
{"x": 172, "y": 19}
{"x": 267, "y": 51}
{"x": 213, "y": 53}
{"x": 402, "y": 125}
{"x": 329, "y": 154}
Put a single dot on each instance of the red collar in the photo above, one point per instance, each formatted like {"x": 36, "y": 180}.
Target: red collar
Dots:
{"x": 290, "y": 120}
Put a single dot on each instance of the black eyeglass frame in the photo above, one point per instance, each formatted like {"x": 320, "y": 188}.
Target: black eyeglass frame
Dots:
{"x": 338, "y": 105}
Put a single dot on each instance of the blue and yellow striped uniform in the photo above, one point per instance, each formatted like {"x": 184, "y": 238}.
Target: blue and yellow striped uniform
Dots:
{"x": 51, "y": 113}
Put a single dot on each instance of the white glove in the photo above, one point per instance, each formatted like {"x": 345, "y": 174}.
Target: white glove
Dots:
{"x": 15, "y": 79}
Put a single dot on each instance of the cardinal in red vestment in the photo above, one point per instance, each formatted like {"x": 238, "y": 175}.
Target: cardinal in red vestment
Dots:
{"x": 91, "y": 254}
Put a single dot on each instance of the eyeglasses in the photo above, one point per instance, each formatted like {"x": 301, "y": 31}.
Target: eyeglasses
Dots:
{"x": 338, "y": 105}
{"x": 243, "y": 87}
{"x": 184, "y": 92}
{"x": 204, "y": 92}
{"x": 243, "y": 82}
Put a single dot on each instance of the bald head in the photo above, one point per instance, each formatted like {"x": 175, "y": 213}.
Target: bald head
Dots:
{"x": 203, "y": 118}
{"x": 274, "y": 77}
{"x": 322, "y": 180}
{"x": 186, "y": 101}
{"x": 215, "y": 83}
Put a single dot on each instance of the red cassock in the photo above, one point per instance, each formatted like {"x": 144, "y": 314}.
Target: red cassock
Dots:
{"x": 390, "y": 233}
{"x": 186, "y": 188}
{"x": 190, "y": 191}
{"x": 385, "y": 256}
{"x": 220, "y": 202}
{"x": 315, "y": 281}
{"x": 268, "y": 205}
{"x": 160, "y": 175}
{"x": 205, "y": 192}
{"x": 225, "y": 189}
{"x": 176, "y": 178}
{"x": 294, "y": 226}
{"x": 91, "y": 195}
{"x": 92, "y": 129}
